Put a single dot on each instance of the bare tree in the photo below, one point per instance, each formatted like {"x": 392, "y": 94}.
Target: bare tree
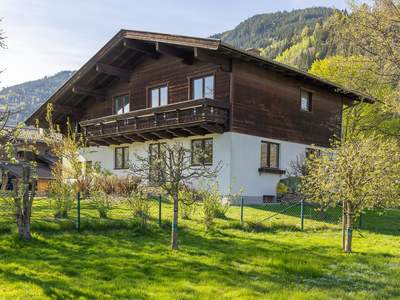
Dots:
{"x": 170, "y": 167}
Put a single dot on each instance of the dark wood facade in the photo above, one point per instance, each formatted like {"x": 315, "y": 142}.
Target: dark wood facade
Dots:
{"x": 267, "y": 104}
{"x": 252, "y": 95}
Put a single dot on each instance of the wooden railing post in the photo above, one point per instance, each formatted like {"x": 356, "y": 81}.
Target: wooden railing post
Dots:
{"x": 178, "y": 115}
{"x": 205, "y": 106}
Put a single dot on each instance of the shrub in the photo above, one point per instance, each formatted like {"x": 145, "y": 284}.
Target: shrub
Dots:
{"x": 187, "y": 203}
{"x": 140, "y": 207}
{"x": 211, "y": 202}
{"x": 102, "y": 202}
{"x": 113, "y": 185}
{"x": 62, "y": 196}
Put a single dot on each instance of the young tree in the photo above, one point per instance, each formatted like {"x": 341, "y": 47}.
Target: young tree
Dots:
{"x": 170, "y": 167}
{"x": 362, "y": 172}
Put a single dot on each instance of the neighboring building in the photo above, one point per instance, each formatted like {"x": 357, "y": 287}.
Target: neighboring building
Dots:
{"x": 28, "y": 146}
{"x": 252, "y": 114}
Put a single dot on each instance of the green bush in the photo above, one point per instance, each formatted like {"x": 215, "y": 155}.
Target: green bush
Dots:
{"x": 102, "y": 202}
{"x": 62, "y": 195}
{"x": 211, "y": 205}
{"x": 140, "y": 207}
{"x": 187, "y": 203}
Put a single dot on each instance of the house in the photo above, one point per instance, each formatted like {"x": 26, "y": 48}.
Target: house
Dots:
{"x": 29, "y": 145}
{"x": 251, "y": 114}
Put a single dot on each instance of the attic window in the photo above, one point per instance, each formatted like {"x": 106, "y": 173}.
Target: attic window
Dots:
{"x": 306, "y": 100}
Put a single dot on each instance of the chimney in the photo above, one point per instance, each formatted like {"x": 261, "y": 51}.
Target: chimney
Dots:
{"x": 254, "y": 51}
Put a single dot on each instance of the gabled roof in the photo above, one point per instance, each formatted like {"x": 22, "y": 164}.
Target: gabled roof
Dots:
{"x": 128, "y": 47}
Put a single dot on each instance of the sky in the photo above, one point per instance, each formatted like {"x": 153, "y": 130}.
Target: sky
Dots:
{"x": 44, "y": 37}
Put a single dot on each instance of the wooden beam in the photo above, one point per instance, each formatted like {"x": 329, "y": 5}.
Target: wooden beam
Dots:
{"x": 178, "y": 132}
{"x": 99, "y": 141}
{"x": 122, "y": 139}
{"x": 141, "y": 46}
{"x": 213, "y": 128}
{"x": 134, "y": 138}
{"x": 122, "y": 74}
{"x": 147, "y": 136}
{"x": 204, "y": 55}
{"x": 187, "y": 56}
{"x": 195, "y": 131}
{"x": 163, "y": 135}
{"x": 83, "y": 90}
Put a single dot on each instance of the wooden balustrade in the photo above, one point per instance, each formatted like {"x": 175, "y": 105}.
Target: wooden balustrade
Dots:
{"x": 191, "y": 117}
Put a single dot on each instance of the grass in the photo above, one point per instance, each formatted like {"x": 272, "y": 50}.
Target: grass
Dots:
{"x": 112, "y": 259}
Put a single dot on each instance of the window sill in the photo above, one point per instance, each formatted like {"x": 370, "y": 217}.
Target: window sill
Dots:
{"x": 271, "y": 170}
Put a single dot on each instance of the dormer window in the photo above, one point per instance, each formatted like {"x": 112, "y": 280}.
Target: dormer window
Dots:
{"x": 203, "y": 87}
{"x": 121, "y": 104}
{"x": 306, "y": 100}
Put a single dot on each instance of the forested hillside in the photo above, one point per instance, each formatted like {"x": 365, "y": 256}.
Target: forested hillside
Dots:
{"x": 23, "y": 99}
{"x": 298, "y": 37}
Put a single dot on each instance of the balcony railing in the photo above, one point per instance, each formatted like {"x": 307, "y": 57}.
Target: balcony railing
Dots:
{"x": 191, "y": 117}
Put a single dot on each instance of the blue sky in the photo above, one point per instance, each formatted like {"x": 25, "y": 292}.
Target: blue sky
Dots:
{"x": 46, "y": 36}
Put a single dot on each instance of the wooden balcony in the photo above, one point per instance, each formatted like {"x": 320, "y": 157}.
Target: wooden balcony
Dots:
{"x": 192, "y": 117}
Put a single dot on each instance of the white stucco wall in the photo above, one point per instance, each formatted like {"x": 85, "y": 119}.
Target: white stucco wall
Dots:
{"x": 105, "y": 155}
{"x": 239, "y": 155}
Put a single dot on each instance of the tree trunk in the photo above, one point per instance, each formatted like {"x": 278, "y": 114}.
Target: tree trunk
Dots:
{"x": 4, "y": 180}
{"x": 349, "y": 228}
{"x": 174, "y": 233}
{"x": 24, "y": 204}
{"x": 344, "y": 222}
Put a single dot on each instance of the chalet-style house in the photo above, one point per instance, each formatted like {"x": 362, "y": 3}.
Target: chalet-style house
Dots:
{"x": 251, "y": 114}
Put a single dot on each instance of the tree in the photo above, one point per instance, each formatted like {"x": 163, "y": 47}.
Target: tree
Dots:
{"x": 24, "y": 188}
{"x": 363, "y": 172}
{"x": 356, "y": 72}
{"x": 170, "y": 167}
{"x": 374, "y": 30}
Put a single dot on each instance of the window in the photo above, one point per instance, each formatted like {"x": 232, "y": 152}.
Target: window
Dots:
{"x": 158, "y": 96}
{"x": 202, "y": 152}
{"x": 269, "y": 155}
{"x": 121, "y": 104}
{"x": 203, "y": 87}
{"x": 306, "y": 100}
{"x": 121, "y": 157}
{"x": 156, "y": 159}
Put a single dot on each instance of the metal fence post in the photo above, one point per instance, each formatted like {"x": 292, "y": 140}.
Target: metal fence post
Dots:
{"x": 241, "y": 210}
{"x": 302, "y": 214}
{"x": 159, "y": 210}
{"x": 78, "y": 212}
{"x": 360, "y": 222}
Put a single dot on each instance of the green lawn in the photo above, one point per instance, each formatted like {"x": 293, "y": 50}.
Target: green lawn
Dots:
{"x": 275, "y": 260}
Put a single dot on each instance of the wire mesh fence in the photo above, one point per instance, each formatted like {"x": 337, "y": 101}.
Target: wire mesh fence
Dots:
{"x": 292, "y": 216}
{"x": 304, "y": 215}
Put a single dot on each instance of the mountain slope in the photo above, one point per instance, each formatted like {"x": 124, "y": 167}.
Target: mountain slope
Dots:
{"x": 25, "y": 98}
{"x": 298, "y": 37}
